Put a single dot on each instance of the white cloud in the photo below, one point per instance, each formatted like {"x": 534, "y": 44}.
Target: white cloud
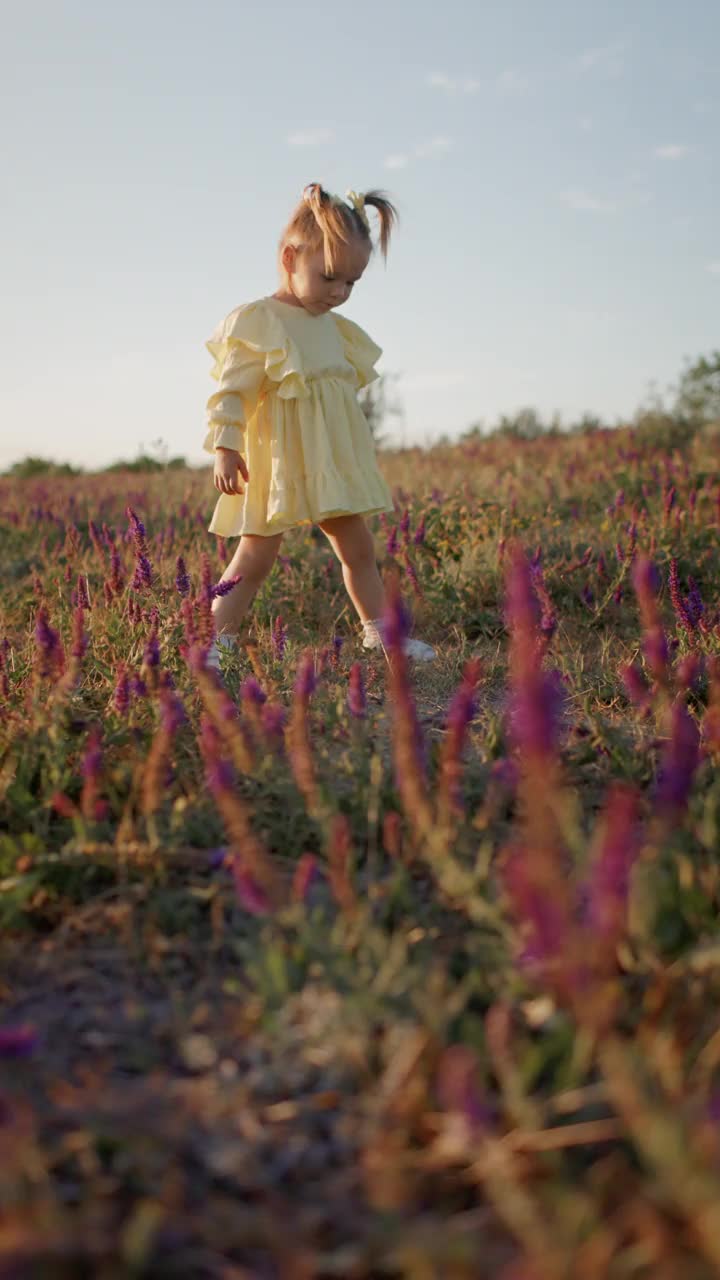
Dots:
{"x": 452, "y": 84}
{"x": 396, "y": 161}
{"x": 438, "y": 143}
{"x": 672, "y": 151}
{"x": 511, "y": 82}
{"x": 578, "y": 199}
{"x": 714, "y": 268}
{"x": 607, "y": 60}
{"x": 310, "y": 137}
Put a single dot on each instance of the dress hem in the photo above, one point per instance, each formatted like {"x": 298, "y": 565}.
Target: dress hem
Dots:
{"x": 296, "y": 524}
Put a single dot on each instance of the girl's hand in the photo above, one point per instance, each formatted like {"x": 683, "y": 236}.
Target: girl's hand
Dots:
{"x": 225, "y": 473}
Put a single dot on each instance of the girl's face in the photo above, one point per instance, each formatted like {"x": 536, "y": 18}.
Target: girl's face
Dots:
{"x": 313, "y": 287}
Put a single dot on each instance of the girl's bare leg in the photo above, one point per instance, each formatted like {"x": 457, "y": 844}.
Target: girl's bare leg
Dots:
{"x": 352, "y": 542}
{"x": 253, "y": 559}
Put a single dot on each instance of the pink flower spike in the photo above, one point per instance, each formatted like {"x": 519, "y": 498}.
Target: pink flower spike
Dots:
{"x": 248, "y": 892}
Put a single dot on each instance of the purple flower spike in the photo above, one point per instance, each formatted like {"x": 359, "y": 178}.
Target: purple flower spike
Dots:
{"x": 219, "y": 774}
{"x": 173, "y": 713}
{"x": 50, "y": 650}
{"x": 356, "y": 692}
{"x": 397, "y": 620}
{"x": 548, "y": 926}
{"x": 419, "y": 535}
{"x": 635, "y": 684}
{"x": 609, "y": 879}
{"x": 679, "y": 762}
{"x": 249, "y": 893}
{"x": 142, "y": 576}
{"x": 252, "y": 693}
{"x": 151, "y": 655}
{"x": 137, "y": 529}
{"x": 305, "y": 682}
{"x": 535, "y": 713}
{"x": 138, "y": 687}
{"x": 279, "y": 637}
{"x": 646, "y": 578}
{"x": 306, "y": 875}
{"x": 121, "y": 696}
{"x": 182, "y": 577}
{"x": 18, "y": 1042}
{"x": 224, "y": 587}
{"x": 91, "y": 765}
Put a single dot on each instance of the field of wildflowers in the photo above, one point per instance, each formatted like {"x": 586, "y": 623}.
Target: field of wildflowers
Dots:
{"x": 345, "y": 968}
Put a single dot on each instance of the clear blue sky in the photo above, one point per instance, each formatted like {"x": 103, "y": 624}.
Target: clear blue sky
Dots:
{"x": 556, "y": 166}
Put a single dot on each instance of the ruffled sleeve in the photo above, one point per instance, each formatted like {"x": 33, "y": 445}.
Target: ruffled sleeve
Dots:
{"x": 360, "y": 350}
{"x": 246, "y": 347}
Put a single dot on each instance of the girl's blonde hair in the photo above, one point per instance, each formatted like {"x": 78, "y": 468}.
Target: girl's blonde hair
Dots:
{"x": 321, "y": 220}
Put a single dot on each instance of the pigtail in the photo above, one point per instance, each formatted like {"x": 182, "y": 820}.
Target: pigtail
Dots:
{"x": 388, "y": 217}
{"x": 330, "y": 218}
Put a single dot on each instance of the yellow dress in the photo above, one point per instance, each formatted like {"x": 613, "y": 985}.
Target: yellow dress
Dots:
{"x": 287, "y": 401}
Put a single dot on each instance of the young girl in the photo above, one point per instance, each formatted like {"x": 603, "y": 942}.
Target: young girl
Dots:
{"x": 291, "y": 443}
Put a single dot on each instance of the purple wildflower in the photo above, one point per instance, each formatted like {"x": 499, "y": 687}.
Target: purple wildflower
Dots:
{"x": 225, "y": 586}
{"x": 219, "y": 774}
{"x": 306, "y": 874}
{"x": 419, "y": 535}
{"x": 142, "y": 576}
{"x": 535, "y": 713}
{"x": 18, "y": 1042}
{"x": 305, "y": 682}
{"x": 91, "y": 765}
{"x": 392, "y": 541}
{"x": 116, "y": 579}
{"x": 694, "y": 602}
{"x": 121, "y": 696}
{"x": 252, "y": 693}
{"x": 137, "y": 529}
{"x": 172, "y": 712}
{"x": 681, "y": 613}
{"x": 460, "y": 714}
{"x": 151, "y": 654}
{"x": 357, "y": 703}
{"x": 79, "y": 637}
{"x": 635, "y": 684}
{"x": 279, "y": 637}
{"x": 83, "y": 599}
{"x": 396, "y": 622}
{"x": 537, "y": 910}
{"x": 689, "y": 670}
{"x": 248, "y": 892}
{"x": 138, "y": 687}
{"x": 273, "y": 719}
{"x": 607, "y": 885}
{"x": 50, "y": 649}
{"x": 182, "y": 577}
{"x": 679, "y": 762}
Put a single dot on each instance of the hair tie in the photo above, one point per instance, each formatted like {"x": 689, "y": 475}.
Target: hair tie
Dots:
{"x": 358, "y": 203}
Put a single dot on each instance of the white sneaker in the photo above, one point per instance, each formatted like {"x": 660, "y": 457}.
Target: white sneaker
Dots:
{"x": 418, "y": 650}
{"x": 412, "y": 648}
